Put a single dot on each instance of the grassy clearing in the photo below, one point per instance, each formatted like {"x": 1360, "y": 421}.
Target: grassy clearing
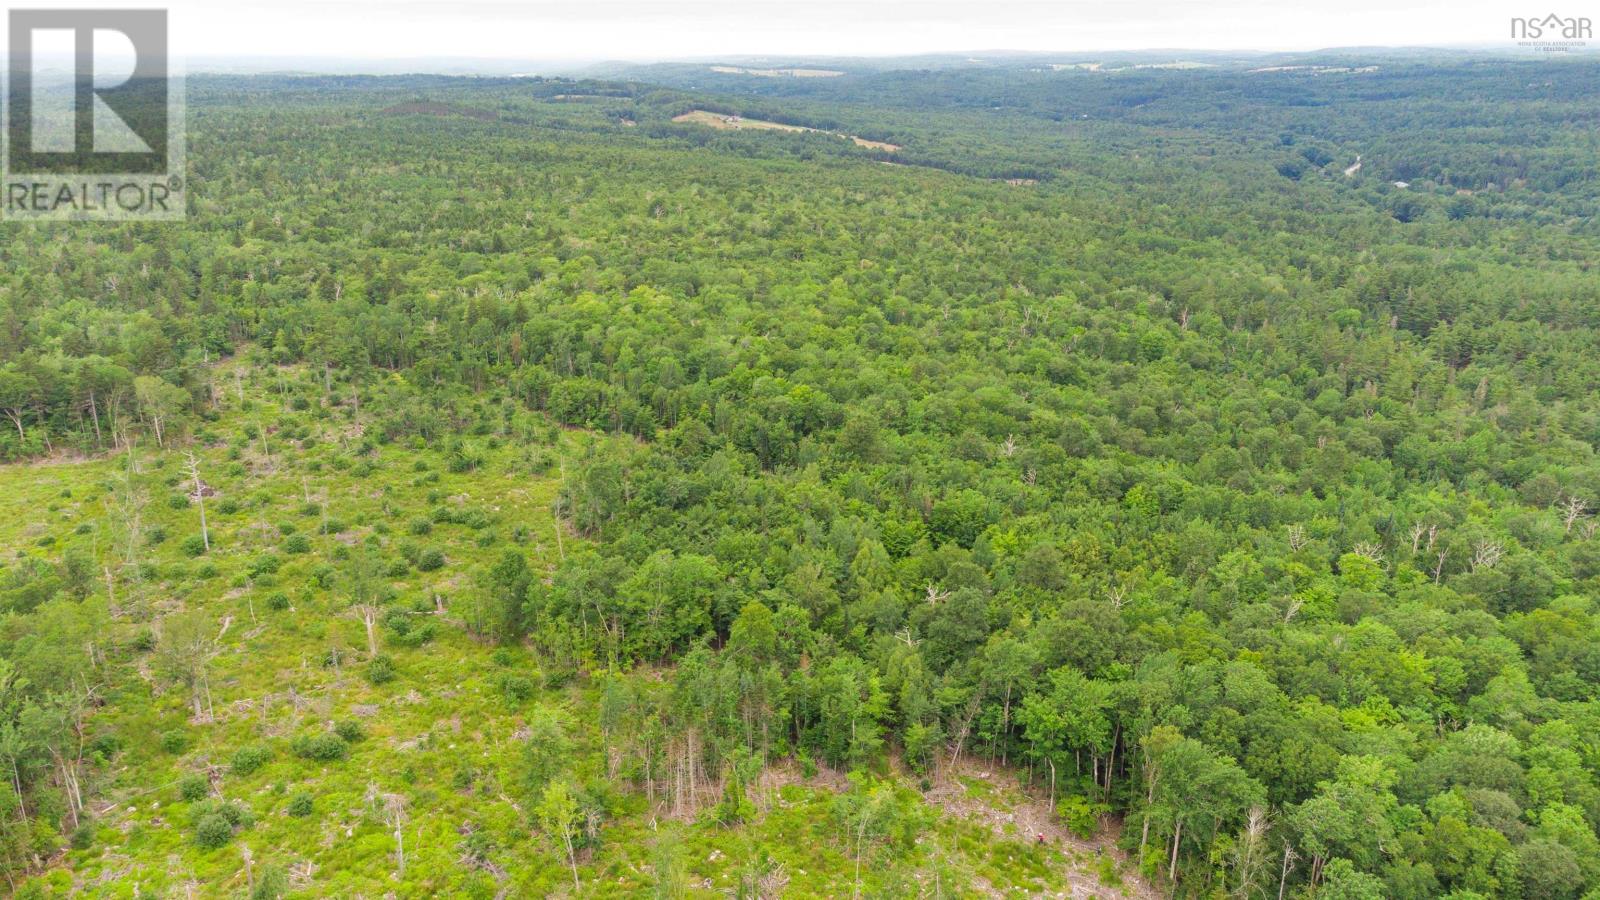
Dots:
{"x": 290, "y": 660}
{"x": 740, "y": 123}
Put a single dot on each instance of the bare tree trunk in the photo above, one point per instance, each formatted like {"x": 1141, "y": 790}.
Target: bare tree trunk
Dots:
{"x": 95, "y": 412}
{"x": 1052, "y": 782}
{"x": 1172, "y": 868}
{"x": 572, "y": 857}
{"x": 192, "y": 466}
{"x": 16, "y": 783}
{"x": 1283, "y": 874}
{"x": 1149, "y": 800}
{"x": 1111, "y": 761}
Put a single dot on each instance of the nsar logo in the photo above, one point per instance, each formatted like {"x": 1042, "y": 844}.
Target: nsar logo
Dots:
{"x": 1552, "y": 33}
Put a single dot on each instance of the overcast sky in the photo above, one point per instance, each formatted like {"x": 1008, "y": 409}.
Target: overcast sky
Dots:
{"x": 656, "y": 29}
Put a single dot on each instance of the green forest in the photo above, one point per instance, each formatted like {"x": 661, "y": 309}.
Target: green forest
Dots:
{"x": 1141, "y": 481}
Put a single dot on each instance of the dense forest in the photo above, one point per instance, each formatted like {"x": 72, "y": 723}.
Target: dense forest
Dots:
{"x": 1209, "y": 452}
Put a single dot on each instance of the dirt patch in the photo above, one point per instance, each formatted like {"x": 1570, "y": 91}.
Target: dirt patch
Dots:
{"x": 990, "y": 796}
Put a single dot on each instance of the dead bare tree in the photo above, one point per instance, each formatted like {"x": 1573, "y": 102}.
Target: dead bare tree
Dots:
{"x": 1293, "y": 609}
{"x": 127, "y": 504}
{"x": 191, "y": 467}
{"x": 394, "y": 816}
{"x": 1420, "y": 531}
{"x": 1297, "y": 537}
{"x": 1573, "y": 508}
{"x": 1289, "y": 856}
{"x": 1487, "y": 554}
{"x": 1249, "y": 854}
{"x": 1368, "y": 550}
{"x": 367, "y": 615}
{"x": 1417, "y": 531}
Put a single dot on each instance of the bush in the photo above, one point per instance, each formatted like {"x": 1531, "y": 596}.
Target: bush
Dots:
{"x": 380, "y": 670}
{"x": 420, "y": 526}
{"x": 265, "y": 564}
{"x": 194, "y": 545}
{"x": 194, "y": 787}
{"x": 277, "y": 600}
{"x": 297, "y": 543}
{"x": 322, "y": 576}
{"x": 414, "y": 635}
{"x": 1082, "y": 816}
{"x": 350, "y": 730}
{"x": 212, "y": 832}
{"x": 430, "y": 560}
{"x": 301, "y": 805}
{"x": 174, "y": 742}
{"x": 326, "y": 747}
{"x": 516, "y": 688}
{"x": 250, "y": 758}
{"x": 272, "y": 884}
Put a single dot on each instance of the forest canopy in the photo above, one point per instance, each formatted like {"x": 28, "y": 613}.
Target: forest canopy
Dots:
{"x": 1121, "y": 429}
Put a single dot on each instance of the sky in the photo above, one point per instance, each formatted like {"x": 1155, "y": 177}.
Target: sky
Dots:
{"x": 661, "y": 29}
